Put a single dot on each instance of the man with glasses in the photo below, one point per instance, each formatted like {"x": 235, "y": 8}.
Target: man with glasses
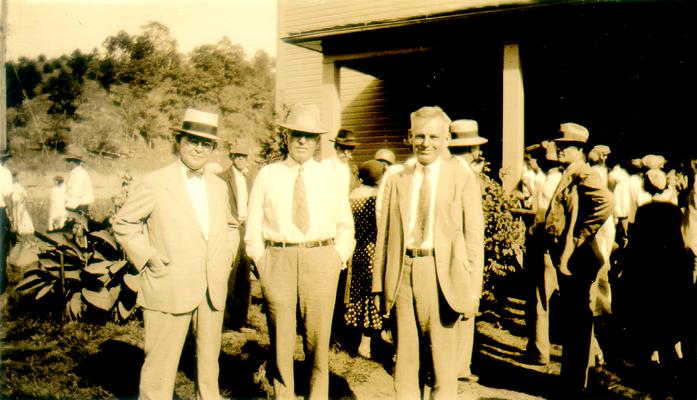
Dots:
{"x": 299, "y": 234}
{"x": 176, "y": 227}
{"x": 421, "y": 267}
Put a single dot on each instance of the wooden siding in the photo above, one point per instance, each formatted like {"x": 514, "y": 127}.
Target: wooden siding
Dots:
{"x": 309, "y": 15}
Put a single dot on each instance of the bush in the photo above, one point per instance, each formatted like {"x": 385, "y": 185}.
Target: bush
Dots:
{"x": 504, "y": 241}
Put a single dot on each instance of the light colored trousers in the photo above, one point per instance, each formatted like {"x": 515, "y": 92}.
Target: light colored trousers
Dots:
{"x": 164, "y": 339}
{"x": 425, "y": 333}
{"x": 465, "y": 345}
{"x": 301, "y": 279}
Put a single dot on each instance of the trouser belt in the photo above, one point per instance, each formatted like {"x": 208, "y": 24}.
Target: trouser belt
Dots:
{"x": 420, "y": 253}
{"x": 308, "y": 245}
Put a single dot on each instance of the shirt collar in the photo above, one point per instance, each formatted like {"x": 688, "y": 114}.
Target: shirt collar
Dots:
{"x": 433, "y": 168}
{"x": 291, "y": 163}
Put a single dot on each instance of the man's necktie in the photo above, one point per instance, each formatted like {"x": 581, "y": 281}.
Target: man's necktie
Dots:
{"x": 194, "y": 174}
{"x": 301, "y": 214}
{"x": 422, "y": 210}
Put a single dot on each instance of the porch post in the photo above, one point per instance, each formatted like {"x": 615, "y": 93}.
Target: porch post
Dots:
{"x": 331, "y": 104}
{"x": 513, "y": 117}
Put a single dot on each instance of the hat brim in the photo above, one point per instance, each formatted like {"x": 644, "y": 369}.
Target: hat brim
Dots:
{"x": 71, "y": 157}
{"x": 345, "y": 144}
{"x": 571, "y": 141}
{"x": 463, "y": 142}
{"x": 299, "y": 128}
{"x": 199, "y": 134}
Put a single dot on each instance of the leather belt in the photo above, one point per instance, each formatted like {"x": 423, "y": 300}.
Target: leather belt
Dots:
{"x": 307, "y": 245}
{"x": 420, "y": 252}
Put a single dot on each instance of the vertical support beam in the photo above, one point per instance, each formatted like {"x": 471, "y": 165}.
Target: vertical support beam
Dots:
{"x": 3, "y": 84}
{"x": 513, "y": 117}
{"x": 331, "y": 104}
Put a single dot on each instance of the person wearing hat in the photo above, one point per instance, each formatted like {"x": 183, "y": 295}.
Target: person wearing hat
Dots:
{"x": 79, "y": 194}
{"x": 421, "y": 268}
{"x": 344, "y": 144}
{"x": 580, "y": 205}
{"x": 299, "y": 235}
{"x": 177, "y": 229}
{"x": 239, "y": 285}
{"x": 385, "y": 156}
{"x": 541, "y": 272}
{"x": 531, "y": 177}
{"x": 5, "y": 194}
{"x": 597, "y": 158}
{"x": 464, "y": 146}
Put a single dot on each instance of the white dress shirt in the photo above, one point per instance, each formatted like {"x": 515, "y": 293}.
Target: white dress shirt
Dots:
{"x": 343, "y": 172}
{"x": 78, "y": 188}
{"x": 417, "y": 181}
{"x": 270, "y": 212}
{"x": 242, "y": 195}
{"x": 5, "y": 186}
{"x": 198, "y": 194}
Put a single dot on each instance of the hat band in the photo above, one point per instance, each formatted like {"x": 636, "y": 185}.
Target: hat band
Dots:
{"x": 200, "y": 127}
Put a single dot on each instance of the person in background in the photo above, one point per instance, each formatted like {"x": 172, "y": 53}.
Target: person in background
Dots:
{"x": 421, "y": 267}
{"x": 344, "y": 144}
{"x": 5, "y": 193}
{"x": 385, "y": 156}
{"x": 299, "y": 235}
{"x": 542, "y": 272}
{"x": 21, "y": 222}
{"x": 361, "y": 312}
{"x": 56, "y": 212}
{"x": 79, "y": 194}
{"x": 531, "y": 177}
{"x": 239, "y": 285}
{"x": 464, "y": 146}
{"x": 597, "y": 158}
{"x": 177, "y": 229}
{"x": 581, "y": 204}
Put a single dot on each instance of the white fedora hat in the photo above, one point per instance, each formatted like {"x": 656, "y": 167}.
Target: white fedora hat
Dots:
{"x": 304, "y": 118}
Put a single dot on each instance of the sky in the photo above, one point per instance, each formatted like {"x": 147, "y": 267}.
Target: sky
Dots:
{"x": 56, "y": 27}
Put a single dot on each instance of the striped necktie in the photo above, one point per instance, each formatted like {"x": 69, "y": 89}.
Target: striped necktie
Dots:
{"x": 301, "y": 214}
{"x": 423, "y": 209}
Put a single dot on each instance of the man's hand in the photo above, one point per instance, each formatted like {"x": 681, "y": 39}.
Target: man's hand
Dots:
{"x": 157, "y": 261}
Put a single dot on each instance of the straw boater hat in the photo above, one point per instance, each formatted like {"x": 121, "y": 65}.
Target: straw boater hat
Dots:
{"x": 5, "y": 154}
{"x": 345, "y": 137}
{"x": 304, "y": 118}
{"x": 74, "y": 152}
{"x": 386, "y": 155}
{"x": 573, "y": 134}
{"x": 653, "y": 161}
{"x": 465, "y": 132}
{"x": 199, "y": 123}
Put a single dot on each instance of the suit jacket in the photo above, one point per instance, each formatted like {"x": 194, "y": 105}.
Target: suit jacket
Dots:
{"x": 579, "y": 207}
{"x": 453, "y": 266}
{"x": 159, "y": 217}
{"x": 230, "y": 179}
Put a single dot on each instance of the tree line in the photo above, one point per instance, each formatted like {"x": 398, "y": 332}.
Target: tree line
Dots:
{"x": 140, "y": 83}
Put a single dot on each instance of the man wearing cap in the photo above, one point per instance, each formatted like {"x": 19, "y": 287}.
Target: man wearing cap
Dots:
{"x": 78, "y": 188}
{"x": 581, "y": 204}
{"x": 464, "y": 146}
{"x": 344, "y": 144}
{"x": 238, "y": 183}
{"x": 299, "y": 234}
{"x": 597, "y": 158}
{"x": 421, "y": 267}
{"x": 385, "y": 156}
{"x": 5, "y": 194}
{"x": 177, "y": 229}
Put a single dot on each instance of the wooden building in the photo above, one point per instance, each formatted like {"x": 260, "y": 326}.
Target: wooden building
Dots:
{"x": 624, "y": 69}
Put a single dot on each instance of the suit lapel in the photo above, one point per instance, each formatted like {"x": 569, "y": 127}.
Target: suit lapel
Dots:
{"x": 178, "y": 190}
{"x": 444, "y": 190}
{"x": 404, "y": 193}
{"x": 214, "y": 210}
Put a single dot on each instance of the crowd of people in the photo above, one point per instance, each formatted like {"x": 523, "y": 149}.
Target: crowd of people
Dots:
{"x": 409, "y": 240}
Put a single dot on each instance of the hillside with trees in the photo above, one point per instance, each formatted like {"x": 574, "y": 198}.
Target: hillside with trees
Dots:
{"x": 120, "y": 101}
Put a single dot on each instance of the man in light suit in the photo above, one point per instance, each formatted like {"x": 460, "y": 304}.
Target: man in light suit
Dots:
{"x": 580, "y": 205}
{"x": 239, "y": 291}
{"x": 464, "y": 146}
{"x": 422, "y": 268}
{"x": 176, "y": 227}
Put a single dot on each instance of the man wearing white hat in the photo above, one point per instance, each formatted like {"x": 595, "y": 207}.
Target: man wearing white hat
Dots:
{"x": 176, "y": 227}
{"x": 299, "y": 234}
{"x": 464, "y": 146}
{"x": 78, "y": 188}
{"x": 580, "y": 205}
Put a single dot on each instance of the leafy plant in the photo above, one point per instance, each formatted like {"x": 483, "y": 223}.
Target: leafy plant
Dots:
{"x": 504, "y": 239}
{"x": 82, "y": 273}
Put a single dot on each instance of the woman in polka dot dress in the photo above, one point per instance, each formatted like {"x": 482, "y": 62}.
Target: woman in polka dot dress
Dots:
{"x": 360, "y": 309}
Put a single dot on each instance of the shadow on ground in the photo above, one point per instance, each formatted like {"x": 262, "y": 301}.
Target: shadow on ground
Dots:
{"x": 115, "y": 367}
